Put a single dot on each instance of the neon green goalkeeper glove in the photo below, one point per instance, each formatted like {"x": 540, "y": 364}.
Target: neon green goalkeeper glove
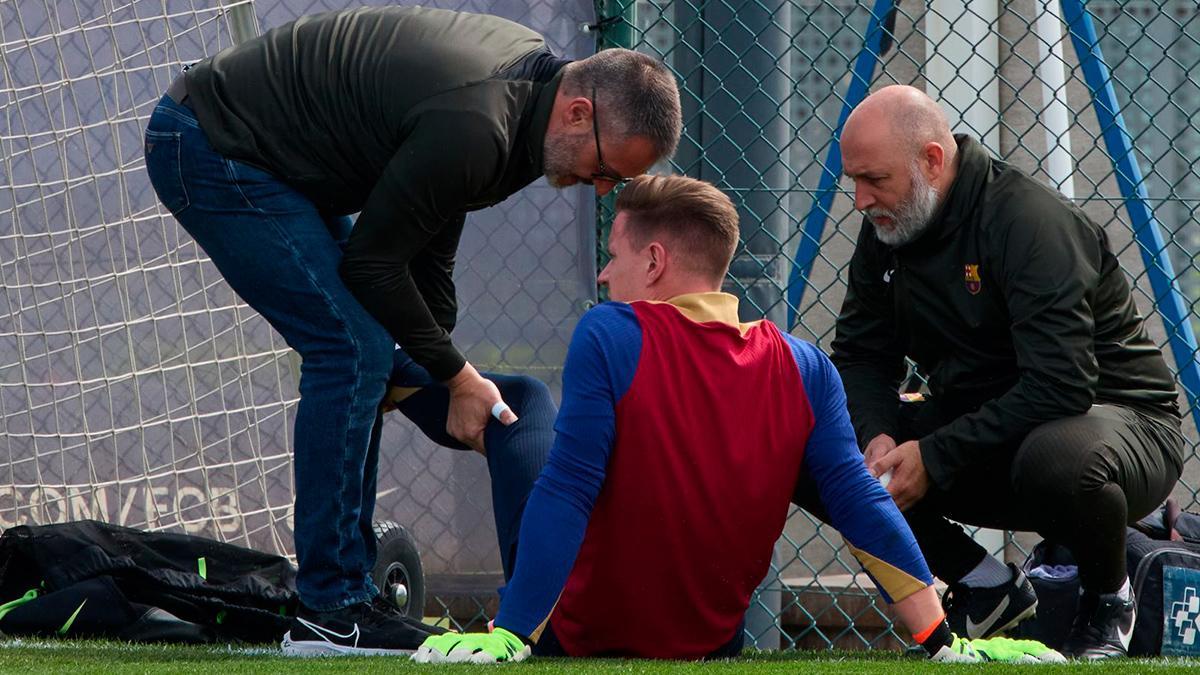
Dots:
{"x": 498, "y": 646}
{"x": 962, "y": 650}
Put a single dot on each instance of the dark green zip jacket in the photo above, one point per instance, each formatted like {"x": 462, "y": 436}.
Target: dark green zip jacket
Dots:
{"x": 1014, "y": 306}
{"x": 411, "y": 116}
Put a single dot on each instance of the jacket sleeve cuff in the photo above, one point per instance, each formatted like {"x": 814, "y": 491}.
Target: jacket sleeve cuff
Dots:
{"x": 872, "y": 427}
{"x": 445, "y": 364}
{"x": 932, "y": 452}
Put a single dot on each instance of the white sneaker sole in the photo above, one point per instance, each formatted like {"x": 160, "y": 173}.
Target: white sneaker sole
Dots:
{"x": 308, "y": 648}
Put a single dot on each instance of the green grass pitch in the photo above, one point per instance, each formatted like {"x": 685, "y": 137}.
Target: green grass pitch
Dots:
{"x": 66, "y": 656}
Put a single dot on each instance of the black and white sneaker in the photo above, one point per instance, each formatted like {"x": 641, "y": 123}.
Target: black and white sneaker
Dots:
{"x": 359, "y": 629}
{"x": 1103, "y": 627}
{"x": 976, "y": 613}
{"x": 388, "y": 608}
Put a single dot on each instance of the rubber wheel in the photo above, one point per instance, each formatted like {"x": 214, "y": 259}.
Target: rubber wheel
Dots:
{"x": 397, "y": 572}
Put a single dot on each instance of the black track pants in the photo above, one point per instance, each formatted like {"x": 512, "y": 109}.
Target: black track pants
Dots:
{"x": 1077, "y": 481}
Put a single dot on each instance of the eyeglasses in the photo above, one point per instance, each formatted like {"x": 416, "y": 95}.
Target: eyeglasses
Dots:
{"x": 604, "y": 173}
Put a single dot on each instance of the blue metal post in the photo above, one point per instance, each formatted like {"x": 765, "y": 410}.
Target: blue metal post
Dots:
{"x": 814, "y": 222}
{"x": 1168, "y": 299}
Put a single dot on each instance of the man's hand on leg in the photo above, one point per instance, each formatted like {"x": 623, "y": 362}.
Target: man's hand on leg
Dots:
{"x": 473, "y": 401}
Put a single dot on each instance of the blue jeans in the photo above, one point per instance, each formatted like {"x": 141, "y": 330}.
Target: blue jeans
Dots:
{"x": 281, "y": 254}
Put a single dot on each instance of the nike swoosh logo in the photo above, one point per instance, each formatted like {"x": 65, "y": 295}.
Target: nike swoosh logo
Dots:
{"x": 71, "y": 619}
{"x": 325, "y": 632}
{"x": 1126, "y": 636}
{"x": 976, "y": 630}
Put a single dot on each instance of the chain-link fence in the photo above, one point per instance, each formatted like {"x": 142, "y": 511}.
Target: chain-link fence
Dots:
{"x": 136, "y": 388}
{"x": 766, "y": 85}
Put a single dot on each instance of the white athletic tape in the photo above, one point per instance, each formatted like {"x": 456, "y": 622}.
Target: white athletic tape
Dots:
{"x": 885, "y": 479}
{"x": 498, "y": 409}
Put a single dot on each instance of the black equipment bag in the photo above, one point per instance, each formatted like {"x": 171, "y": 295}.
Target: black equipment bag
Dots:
{"x": 1163, "y": 553}
{"x": 1058, "y": 599}
{"x": 93, "y": 579}
{"x": 1166, "y": 577}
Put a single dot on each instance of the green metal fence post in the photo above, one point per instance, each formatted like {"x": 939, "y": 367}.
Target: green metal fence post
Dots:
{"x": 242, "y": 22}
{"x": 616, "y": 25}
{"x": 618, "y": 22}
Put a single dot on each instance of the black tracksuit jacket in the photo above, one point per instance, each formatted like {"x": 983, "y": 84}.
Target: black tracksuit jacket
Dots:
{"x": 1014, "y": 306}
{"x": 411, "y": 116}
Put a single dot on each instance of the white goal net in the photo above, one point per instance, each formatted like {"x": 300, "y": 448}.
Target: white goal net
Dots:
{"x": 135, "y": 387}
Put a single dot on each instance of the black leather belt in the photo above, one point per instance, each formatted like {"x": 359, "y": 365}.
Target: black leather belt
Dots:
{"x": 177, "y": 92}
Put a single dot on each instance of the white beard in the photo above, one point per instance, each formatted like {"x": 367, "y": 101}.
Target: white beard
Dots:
{"x": 912, "y": 215}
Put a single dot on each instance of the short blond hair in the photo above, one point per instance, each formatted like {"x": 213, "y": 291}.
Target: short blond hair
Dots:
{"x": 693, "y": 214}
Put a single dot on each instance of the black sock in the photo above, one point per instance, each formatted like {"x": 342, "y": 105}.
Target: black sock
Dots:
{"x": 940, "y": 637}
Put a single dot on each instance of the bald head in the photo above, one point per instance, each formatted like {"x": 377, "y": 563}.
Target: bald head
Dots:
{"x": 898, "y": 149}
{"x": 901, "y": 116}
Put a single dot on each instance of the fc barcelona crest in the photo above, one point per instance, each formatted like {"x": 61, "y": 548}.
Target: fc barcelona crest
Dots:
{"x": 971, "y": 277}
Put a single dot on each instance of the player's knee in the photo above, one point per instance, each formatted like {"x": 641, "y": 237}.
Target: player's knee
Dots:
{"x": 522, "y": 391}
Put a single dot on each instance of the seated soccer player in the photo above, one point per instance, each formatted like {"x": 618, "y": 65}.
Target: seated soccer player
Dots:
{"x": 680, "y": 442}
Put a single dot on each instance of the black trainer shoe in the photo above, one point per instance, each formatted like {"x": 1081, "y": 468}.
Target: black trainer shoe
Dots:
{"x": 358, "y": 629}
{"x": 1102, "y": 628}
{"x": 388, "y": 608}
{"x": 976, "y": 613}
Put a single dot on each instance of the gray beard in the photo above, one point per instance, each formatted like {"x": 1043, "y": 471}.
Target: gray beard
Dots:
{"x": 558, "y": 155}
{"x": 912, "y": 216}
